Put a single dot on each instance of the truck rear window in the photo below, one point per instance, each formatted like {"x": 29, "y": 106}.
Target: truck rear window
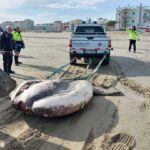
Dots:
{"x": 89, "y": 30}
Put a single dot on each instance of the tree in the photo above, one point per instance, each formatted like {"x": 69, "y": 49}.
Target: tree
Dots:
{"x": 111, "y": 24}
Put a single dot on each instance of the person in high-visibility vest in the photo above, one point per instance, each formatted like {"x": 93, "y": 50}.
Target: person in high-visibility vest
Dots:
{"x": 133, "y": 37}
{"x": 18, "y": 44}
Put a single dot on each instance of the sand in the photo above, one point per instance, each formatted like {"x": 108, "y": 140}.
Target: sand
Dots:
{"x": 119, "y": 122}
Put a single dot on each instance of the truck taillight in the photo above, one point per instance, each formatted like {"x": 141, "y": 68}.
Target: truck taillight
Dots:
{"x": 97, "y": 49}
{"x": 82, "y": 49}
{"x": 109, "y": 44}
{"x": 70, "y": 44}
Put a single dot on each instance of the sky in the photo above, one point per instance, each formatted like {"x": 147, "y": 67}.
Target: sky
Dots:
{"x": 48, "y": 11}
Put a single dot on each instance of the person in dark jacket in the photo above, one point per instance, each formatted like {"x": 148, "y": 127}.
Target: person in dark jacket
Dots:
{"x": 1, "y": 30}
{"x": 7, "y": 49}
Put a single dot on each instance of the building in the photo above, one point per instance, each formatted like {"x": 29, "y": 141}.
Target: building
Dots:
{"x": 19, "y": 23}
{"x": 25, "y": 25}
{"x": 66, "y": 26}
{"x": 46, "y": 27}
{"x": 49, "y": 27}
{"x": 58, "y": 27}
{"x": 39, "y": 28}
{"x": 129, "y": 16}
{"x": 7, "y": 23}
{"x": 73, "y": 24}
{"x": 103, "y": 22}
{"x": 28, "y": 25}
{"x": 77, "y": 22}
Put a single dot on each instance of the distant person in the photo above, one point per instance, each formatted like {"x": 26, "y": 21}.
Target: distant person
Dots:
{"x": 7, "y": 49}
{"x": 133, "y": 37}
{"x": 18, "y": 44}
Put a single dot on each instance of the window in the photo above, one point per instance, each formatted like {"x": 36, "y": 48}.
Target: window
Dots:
{"x": 133, "y": 13}
{"x": 133, "y": 21}
{"x": 89, "y": 30}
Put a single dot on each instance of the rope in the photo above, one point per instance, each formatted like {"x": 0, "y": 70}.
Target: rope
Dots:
{"x": 87, "y": 77}
{"x": 79, "y": 77}
{"x": 90, "y": 76}
{"x": 96, "y": 69}
{"x": 60, "y": 69}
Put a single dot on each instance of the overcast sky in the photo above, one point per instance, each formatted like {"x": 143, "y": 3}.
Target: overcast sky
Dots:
{"x": 47, "y": 11}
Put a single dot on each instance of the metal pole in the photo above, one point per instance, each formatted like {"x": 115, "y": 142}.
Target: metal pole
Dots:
{"x": 140, "y": 14}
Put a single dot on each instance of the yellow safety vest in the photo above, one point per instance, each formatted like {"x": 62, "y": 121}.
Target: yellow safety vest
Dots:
{"x": 134, "y": 35}
{"x": 17, "y": 36}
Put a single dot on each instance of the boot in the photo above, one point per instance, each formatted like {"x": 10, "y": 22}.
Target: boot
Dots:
{"x": 16, "y": 60}
{"x": 11, "y": 72}
{"x": 19, "y": 62}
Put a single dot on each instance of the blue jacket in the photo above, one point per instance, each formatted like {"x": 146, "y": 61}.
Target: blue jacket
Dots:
{"x": 6, "y": 41}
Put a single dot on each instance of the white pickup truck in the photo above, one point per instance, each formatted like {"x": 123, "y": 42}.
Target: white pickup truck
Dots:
{"x": 89, "y": 41}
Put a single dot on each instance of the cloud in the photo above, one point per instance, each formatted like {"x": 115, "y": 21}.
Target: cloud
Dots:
{"x": 52, "y": 12}
{"x": 50, "y": 17}
{"x": 12, "y": 17}
{"x": 64, "y": 4}
{"x": 45, "y": 17}
{"x": 10, "y": 4}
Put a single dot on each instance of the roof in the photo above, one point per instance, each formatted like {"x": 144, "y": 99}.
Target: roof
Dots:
{"x": 89, "y": 24}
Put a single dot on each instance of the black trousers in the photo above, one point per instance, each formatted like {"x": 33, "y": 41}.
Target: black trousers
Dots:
{"x": 7, "y": 61}
{"x": 132, "y": 42}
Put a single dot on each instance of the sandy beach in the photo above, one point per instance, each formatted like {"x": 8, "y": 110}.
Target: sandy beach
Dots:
{"x": 106, "y": 123}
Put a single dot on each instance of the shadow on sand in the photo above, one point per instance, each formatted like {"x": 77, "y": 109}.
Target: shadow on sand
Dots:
{"x": 100, "y": 115}
{"x": 40, "y": 67}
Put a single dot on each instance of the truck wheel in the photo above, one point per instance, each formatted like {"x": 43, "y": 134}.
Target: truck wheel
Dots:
{"x": 107, "y": 60}
{"x": 74, "y": 62}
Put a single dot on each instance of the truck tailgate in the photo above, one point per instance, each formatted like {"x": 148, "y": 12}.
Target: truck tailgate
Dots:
{"x": 90, "y": 42}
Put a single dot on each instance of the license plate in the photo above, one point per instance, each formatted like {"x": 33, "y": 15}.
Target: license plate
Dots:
{"x": 90, "y": 52}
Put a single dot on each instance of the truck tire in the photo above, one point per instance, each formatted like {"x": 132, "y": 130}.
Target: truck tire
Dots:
{"x": 107, "y": 60}
{"x": 74, "y": 62}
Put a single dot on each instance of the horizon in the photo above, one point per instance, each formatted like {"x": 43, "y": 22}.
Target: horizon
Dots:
{"x": 48, "y": 11}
